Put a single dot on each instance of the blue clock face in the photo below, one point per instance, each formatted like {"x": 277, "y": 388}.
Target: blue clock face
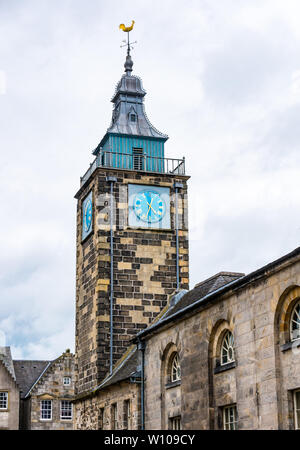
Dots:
{"x": 149, "y": 206}
{"x": 87, "y": 215}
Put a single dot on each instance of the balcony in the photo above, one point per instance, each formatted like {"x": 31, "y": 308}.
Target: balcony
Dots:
{"x": 135, "y": 162}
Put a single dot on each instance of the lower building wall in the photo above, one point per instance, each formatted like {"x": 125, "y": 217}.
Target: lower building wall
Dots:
{"x": 56, "y": 423}
{"x": 262, "y": 380}
{"x": 97, "y": 412}
{"x": 9, "y": 418}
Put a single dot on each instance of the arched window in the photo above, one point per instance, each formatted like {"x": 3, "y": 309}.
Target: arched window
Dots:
{"x": 175, "y": 368}
{"x": 227, "y": 349}
{"x": 295, "y": 323}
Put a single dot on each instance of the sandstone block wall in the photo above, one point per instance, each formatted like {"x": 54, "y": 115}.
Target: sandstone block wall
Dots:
{"x": 265, "y": 372}
{"x": 96, "y": 412}
{"x": 9, "y": 419}
{"x": 144, "y": 271}
{"x": 51, "y": 387}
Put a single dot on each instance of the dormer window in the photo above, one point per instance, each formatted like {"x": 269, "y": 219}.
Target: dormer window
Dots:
{"x": 132, "y": 117}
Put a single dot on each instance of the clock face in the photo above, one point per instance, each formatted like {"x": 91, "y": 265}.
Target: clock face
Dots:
{"x": 87, "y": 221}
{"x": 87, "y": 215}
{"x": 149, "y": 206}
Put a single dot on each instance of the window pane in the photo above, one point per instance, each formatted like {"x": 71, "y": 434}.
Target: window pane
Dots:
{"x": 230, "y": 418}
{"x": 295, "y": 323}
{"x": 46, "y": 409}
{"x": 66, "y": 410}
{"x": 175, "y": 369}
{"x": 176, "y": 423}
{"x": 227, "y": 348}
{"x": 3, "y": 400}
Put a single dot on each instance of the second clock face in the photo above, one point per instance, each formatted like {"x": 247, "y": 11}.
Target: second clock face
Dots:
{"x": 87, "y": 216}
{"x": 149, "y": 206}
{"x": 87, "y": 220}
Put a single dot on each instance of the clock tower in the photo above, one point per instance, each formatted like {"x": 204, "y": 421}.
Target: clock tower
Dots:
{"x": 132, "y": 234}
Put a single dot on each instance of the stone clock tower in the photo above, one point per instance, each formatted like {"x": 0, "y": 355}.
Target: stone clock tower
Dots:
{"x": 132, "y": 234}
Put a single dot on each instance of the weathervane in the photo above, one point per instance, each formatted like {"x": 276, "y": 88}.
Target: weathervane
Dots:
{"x": 127, "y": 30}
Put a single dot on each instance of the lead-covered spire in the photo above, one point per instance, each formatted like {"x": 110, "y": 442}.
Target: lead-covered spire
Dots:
{"x": 129, "y": 117}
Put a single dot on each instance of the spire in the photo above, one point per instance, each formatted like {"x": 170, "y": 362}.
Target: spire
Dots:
{"x": 129, "y": 117}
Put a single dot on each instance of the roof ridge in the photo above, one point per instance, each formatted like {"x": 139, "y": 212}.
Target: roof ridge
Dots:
{"x": 219, "y": 274}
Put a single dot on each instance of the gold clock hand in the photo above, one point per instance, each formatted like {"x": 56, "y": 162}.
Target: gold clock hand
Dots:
{"x": 149, "y": 207}
{"x": 155, "y": 212}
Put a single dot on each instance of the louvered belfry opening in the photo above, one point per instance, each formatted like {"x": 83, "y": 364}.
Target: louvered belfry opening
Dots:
{"x": 138, "y": 158}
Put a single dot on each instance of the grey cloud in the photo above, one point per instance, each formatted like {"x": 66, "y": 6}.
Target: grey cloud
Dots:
{"x": 244, "y": 66}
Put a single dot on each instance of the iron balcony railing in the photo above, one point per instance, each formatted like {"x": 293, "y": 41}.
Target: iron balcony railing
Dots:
{"x": 136, "y": 162}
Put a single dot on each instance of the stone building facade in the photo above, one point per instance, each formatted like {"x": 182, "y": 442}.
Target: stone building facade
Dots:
{"x": 9, "y": 392}
{"x": 48, "y": 403}
{"x": 224, "y": 355}
{"x": 253, "y": 322}
{"x": 116, "y": 403}
{"x": 144, "y": 273}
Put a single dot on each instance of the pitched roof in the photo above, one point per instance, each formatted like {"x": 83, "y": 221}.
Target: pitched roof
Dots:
{"x": 5, "y": 357}
{"x": 128, "y": 367}
{"x": 27, "y": 372}
{"x": 203, "y": 288}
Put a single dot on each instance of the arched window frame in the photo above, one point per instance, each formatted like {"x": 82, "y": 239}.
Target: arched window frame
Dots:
{"x": 227, "y": 346}
{"x": 175, "y": 370}
{"x": 295, "y": 319}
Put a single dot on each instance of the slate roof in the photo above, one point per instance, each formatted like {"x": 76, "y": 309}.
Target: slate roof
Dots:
{"x": 27, "y": 372}
{"x": 5, "y": 357}
{"x": 128, "y": 367}
{"x": 128, "y": 98}
{"x": 203, "y": 288}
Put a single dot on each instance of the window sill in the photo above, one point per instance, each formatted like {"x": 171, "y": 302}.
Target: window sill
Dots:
{"x": 225, "y": 367}
{"x": 173, "y": 384}
{"x": 289, "y": 345}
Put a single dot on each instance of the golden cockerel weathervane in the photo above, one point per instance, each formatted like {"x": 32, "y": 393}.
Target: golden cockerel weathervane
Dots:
{"x": 127, "y": 30}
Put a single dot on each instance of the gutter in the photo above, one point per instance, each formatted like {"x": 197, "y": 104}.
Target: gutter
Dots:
{"x": 177, "y": 186}
{"x": 141, "y": 346}
{"x": 111, "y": 180}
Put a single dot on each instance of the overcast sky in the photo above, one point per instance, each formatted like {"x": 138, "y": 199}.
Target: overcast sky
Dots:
{"x": 222, "y": 80}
